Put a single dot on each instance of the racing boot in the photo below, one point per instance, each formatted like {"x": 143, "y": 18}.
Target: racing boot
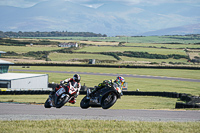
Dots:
{"x": 72, "y": 101}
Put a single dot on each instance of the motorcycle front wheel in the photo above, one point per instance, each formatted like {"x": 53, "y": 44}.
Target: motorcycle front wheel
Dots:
{"x": 60, "y": 101}
{"x": 108, "y": 100}
{"x": 85, "y": 103}
{"x": 47, "y": 104}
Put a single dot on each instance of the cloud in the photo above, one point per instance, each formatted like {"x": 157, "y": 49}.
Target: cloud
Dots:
{"x": 137, "y": 1}
{"x": 96, "y": 3}
{"x": 93, "y": 5}
{"x": 20, "y": 3}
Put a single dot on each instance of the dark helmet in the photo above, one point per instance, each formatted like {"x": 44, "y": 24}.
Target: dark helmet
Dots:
{"x": 77, "y": 78}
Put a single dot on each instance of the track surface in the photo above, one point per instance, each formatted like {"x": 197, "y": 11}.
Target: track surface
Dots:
{"x": 11, "y": 111}
{"x": 111, "y": 74}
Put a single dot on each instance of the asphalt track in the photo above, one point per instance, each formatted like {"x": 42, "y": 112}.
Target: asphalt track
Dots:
{"x": 12, "y": 111}
{"x": 111, "y": 74}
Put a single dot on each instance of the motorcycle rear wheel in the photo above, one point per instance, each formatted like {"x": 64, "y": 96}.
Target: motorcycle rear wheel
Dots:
{"x": 108, "y": 100}
{"x": 85, "y": 103}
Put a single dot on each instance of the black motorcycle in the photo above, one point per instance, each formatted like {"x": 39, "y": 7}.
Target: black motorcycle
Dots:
{"x": 59, "y": 98}
{"x": 105, "y": 98}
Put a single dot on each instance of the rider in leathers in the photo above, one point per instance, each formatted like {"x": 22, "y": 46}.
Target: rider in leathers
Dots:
{"x": 73, "y": 89}
{"x": 117, "y": 84}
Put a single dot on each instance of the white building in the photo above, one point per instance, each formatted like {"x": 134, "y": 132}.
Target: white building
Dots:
{"x": 24, "y": 81}
{"x": 69, "y": 44}
{"x": 21, "y": 81}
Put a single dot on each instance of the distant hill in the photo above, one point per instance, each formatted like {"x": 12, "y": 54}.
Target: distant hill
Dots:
{"x": 111, "y": 18}
{"x": 181, "y": 30}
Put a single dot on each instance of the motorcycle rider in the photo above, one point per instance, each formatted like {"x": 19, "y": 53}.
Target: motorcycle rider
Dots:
{"x": 117, "y": 84}
{"x": 74, "y": 89}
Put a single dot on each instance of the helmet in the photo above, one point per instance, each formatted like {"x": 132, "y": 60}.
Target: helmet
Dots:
{"x": 77, "y": 78}
{"x": 120, "y": 80}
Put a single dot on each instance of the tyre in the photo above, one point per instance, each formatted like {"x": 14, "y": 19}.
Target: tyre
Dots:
{"x": 59, "y": 101}
{"x": 108, "y": 100}
{"x": 85, "y": 103}
{"x": 46, "y": 104}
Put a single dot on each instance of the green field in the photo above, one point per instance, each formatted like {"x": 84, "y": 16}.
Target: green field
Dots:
{"x": 145, "y": 39}
{"x": 54, "y": 56}
{"x": 133, "y": 83}
{"x": 181, "y": 73}
{"x": 135, "y": 49}
{"x": 25, "y": 49}
{"x": 155, "y": 45}
{"x": 131, "y": 60}
{"x": 173, "y": 46}
{"x": 66, "y": 56}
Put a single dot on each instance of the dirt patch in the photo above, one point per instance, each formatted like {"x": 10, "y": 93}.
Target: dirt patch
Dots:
{"x": 192, "y": 55}
{"x": 37, "y": 61}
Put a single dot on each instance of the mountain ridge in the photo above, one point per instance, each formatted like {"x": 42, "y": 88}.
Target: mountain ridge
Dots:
{"x": 111, "y": 18}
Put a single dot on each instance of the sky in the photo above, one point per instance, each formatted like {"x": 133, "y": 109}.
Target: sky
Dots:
{"x": 97, "y": 3}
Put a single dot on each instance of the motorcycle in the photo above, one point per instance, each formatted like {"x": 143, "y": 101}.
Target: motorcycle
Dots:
{"x": 105, "y": 98}
{"x": 60, "y": 96}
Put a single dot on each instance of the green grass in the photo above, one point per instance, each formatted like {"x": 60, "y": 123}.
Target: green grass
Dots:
{"x": 146, "y": 39}
{"x": 126, "y": 102}
{"x": 142, "y": 46}
{"x": 136, "y": 49}
{"x": 97, "y": 126}
{"x": 163, "y": 45}
{"x": 124, "y": 58}
{"x": 25, "y": 49}
{"x": 133, "y": 83}
{"x": 181, "y": 73}
{"x": 24, "y": 98}
{"x": 65, "y": 56}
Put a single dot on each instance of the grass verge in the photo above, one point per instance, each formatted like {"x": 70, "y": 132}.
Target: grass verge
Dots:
{"x": 92, "y": 126}
{"x": 126, "y": 102}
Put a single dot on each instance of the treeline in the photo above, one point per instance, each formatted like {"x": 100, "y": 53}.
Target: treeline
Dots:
{"x": 151, "y": 56}
{"x": 10, "y": 42}
{"x": 144, "y": 55}
{"x": 50, "y": 34}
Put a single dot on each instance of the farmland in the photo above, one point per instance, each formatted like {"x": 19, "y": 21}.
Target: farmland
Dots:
{"x": 188, "y": 39}
{"x": 163, "y": 50}
{"x": 111, "y": 51}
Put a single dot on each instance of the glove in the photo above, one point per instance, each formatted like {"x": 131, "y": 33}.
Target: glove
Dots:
{"x": 62, "y": 82}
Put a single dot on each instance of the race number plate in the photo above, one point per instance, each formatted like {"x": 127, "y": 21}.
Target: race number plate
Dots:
{"x": 60, "y": 91}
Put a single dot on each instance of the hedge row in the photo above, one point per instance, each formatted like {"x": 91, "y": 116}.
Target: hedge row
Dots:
{"x": 31, "y": 92}
{"x": 186, "y": 105}
{"x": 109, "y": 66}
{"x": 35, "y": 92}
{"x": 162, "y": 94}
